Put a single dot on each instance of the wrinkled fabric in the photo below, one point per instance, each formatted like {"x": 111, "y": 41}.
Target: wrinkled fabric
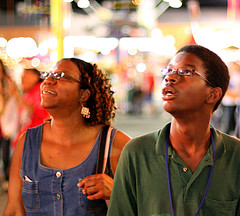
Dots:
{"x": 54, "y": 192}
{"x": 140, "y": 182}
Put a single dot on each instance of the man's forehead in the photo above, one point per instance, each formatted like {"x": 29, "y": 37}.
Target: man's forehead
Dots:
{"x": 186, "y": 59}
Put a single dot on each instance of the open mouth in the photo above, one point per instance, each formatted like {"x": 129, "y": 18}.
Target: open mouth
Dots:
{"x": 44, "y": 92}
{"x": 167, "y": 92}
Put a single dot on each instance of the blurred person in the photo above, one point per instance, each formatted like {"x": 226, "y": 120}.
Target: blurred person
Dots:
{"x": 8, "y": 119}
{"x": 188, "y": 167}
{"x": 135, "y": 98}
{"x": 148, "y": 88}
{"x": 236, "y": 93}
{"x": 31, "y": 113}
{"x": 53, "y": 166}
{"x": 229, "y": 102}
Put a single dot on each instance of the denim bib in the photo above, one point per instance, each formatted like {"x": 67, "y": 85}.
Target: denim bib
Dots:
{"x": 54, "y": 192}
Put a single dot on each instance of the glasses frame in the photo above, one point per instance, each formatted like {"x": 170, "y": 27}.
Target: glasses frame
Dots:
{"x": 60, "y": 75}
{"x": 165, "y": 72}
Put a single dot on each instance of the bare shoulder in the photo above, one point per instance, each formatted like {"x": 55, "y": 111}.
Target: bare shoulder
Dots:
{"x": 20, "y": 144}
{"x": 120, "y": 140}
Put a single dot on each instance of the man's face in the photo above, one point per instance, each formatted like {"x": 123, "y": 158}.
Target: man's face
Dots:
{"x": 185, "y": 94}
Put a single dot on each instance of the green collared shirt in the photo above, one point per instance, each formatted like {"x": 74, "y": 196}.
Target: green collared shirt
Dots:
{"x": 140, "y": 184}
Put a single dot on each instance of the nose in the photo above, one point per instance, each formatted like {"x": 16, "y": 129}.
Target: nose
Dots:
{"x": 172, "y": 79}
{"x": 49, "y": 80}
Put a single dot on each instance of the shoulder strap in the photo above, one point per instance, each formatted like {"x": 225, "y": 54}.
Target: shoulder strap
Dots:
{"x": 101, "y": 150}
{"x": 107, "y": 147}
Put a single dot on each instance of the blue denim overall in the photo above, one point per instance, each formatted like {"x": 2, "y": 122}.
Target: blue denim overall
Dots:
{"x": 54, "y": 192}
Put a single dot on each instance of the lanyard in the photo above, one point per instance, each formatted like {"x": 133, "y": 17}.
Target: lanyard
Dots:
{"x": 168, "y": 177}
{"x": 237, "y": 127}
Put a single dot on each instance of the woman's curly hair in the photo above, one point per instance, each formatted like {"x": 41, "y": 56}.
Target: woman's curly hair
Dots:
{"x": 101, "y": 102}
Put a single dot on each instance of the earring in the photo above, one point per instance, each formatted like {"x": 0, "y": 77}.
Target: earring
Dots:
{"x": 85, "y": 112}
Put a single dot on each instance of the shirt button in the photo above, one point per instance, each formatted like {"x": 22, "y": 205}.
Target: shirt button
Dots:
{"x": 185, "y": 169}
{"x": 58, "y": 174}
{"x": 58, "y": 196}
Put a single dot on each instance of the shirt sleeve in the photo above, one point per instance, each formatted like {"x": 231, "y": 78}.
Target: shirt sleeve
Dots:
{"x": 123, "y": 197}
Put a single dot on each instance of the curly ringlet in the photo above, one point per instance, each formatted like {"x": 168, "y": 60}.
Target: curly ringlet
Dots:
{"x": 101, "y": 102}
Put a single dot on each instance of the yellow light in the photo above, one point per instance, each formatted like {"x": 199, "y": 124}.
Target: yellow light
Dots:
{"x": 137, "y": 2}
{"x": 21, "y": 47}
{"x": 83, "y": 3}
{"x": 3, "y": 42}
{"x": 175, "y": 3}
{"x": 35, "y": 62}
{"x": 52, "y": 43}
{"x": 141, "y": 67}
{"x": 132, "y": 51}
{"x": 88, "y": 56}
{"x": 43, "y": 48}
{"x": 156, "y": 33}
{"x": 54, "y": 56}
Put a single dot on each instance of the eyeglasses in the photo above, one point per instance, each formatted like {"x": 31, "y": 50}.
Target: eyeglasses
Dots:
{"x": 58, "y": 76}
{"x": 183, "y": 72}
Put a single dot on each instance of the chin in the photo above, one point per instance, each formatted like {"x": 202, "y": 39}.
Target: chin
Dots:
{"x": 170, "y": 109}
{"x": 167, "y": 107}
{"x": 46, "y": 106}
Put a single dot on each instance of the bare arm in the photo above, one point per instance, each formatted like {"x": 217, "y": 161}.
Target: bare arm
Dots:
{"x": 119, "y": 142}
{"x": 14, "y": 205}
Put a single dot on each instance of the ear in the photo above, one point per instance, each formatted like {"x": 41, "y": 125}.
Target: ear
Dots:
{"x": 214, "y": 95}
{"x": 84, "y": 95}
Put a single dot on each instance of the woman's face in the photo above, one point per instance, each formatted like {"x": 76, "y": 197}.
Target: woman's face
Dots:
{"x": 64, "y": 94}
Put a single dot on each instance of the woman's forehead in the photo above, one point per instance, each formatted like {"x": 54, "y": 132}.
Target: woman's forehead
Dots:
{"x": 66, "y": 65}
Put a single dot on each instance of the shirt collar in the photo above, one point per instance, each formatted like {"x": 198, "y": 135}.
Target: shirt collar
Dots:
{"x": 220, "y": 145}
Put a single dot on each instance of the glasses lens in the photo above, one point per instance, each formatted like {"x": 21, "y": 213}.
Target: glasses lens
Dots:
{"x": 62, "y": 75}
{"x": 185, "y": 72}
{"x": 44, "y": 75}
{"x": 55, "y": 76}
{"x": 165, "y": 71}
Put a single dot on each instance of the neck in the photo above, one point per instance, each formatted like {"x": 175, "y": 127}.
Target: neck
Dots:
{"x": 70, "y": 127}
{"x": 190, "y": 140}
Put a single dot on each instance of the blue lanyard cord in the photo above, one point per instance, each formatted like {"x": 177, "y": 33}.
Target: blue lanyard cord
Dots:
{"x": 168, "y": 177}
{"x": 237, "y": 129}
{"x": 167, "y": 172}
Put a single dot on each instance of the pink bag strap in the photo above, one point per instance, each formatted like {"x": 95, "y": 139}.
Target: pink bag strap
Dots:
{"x": 104, "y": 149}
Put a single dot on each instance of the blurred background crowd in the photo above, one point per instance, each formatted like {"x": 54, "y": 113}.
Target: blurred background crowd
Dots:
{"x": 129, "y": 39}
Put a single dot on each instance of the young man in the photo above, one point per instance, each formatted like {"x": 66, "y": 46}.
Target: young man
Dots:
{"x": 187, "y": 168}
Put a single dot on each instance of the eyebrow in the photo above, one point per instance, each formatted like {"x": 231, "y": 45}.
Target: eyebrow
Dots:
{"x": 189, "y": 65}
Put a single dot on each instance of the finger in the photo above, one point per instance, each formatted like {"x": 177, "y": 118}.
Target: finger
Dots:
{"x": 91, "y": 190}
{"x": 96, "y": 196}
{"x": 89, "y": 180}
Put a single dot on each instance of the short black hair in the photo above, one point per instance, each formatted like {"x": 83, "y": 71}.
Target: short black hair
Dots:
{"x": 216, "y": 70}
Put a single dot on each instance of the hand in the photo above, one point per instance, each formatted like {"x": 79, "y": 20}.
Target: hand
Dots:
{"x": 98, "y": 186}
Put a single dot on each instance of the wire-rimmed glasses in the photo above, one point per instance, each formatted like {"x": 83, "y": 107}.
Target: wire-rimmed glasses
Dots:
{"x": 60, "y": 75}
{"x": 183, "y": 72}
